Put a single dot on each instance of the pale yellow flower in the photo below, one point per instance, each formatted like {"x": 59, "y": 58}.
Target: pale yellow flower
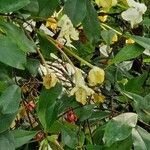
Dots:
{"x": 115, "y": 38}
{"x": 103, "y": 18}
{"x": 96, "y": 76}
{"x": 49, "y": 80}
{"x": 106, "y": 4}
{"x": 51, "y": 23}
{"x": 81, "y": 90}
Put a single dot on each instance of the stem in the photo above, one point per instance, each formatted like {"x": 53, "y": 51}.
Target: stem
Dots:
{"x": 43, "y": 60}
{"x": 105, "y": 25}
{"x": 56, "y": 43}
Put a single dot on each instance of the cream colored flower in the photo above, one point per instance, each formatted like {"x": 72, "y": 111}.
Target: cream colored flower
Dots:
{"x": 96, "y": 76}
{"x": 134, "y": 13}
{"x": 81, "y": 91}
{"x": 67, "y": 32}
{"x": 49, "y": 80}
{"x": 106, "y": 4}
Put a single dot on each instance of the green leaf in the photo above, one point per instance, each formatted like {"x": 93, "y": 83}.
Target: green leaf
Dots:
{"x": 135, "y": 84}
{"x": 141, "y": 139}
{"x": 75, "y": 10}
{"x": 69, "y": 137}
{"x": 17, "y": 36}
{"x": 10, "y": 54}
{"x": 47, "y": 7}
{"x": 119, "y": 128}
{"x": 10, "y": 6}
{"x": 46, "y": 47}
{"x": 6, "y": 141}
{"x": 107, "y": 36}
{"x": 121, "y": 145}
{"x": 143, "y": 41}
{"x": 32, "y": 66}
{"x": 84, "y": 112}
{"x": 99, "y": 115}
{"x": 91, "y": 24}
{"x": 9, "y": 105}
{"x": 47, "y": 106}
{"x": 94, "y": 147}
{"x": 21, "y": 137}
{"x": 141, "y": 105}
{"x": 128, "y": 52}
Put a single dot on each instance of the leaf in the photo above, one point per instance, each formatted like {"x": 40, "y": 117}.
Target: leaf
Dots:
{"x": 17, "y": 36}
{"x": 119, "y": 128}
{"x": 128, "y": 52}
{"x": 143, "y": 41}
{"x": 84, "y": 112}
{"x": 47, "y": 106}
{"x": 6, "y": 141}
{"x": 10, "y": 54}
{"x": 91, "y": 24}
{"x": 21, "y": 137}
{"x": 75, "y": 10}
{"x": 32, "y": 66}
{"x": 94, "y": 147}
{"x": 99, "y": 115}
{"x": 10, "y": 6}
{"x": 69, "y": 137}
{"x": 141, "y": 139}
{"x": 107, "y": 36}
{"x": 141, "y": 105}
{"x": 121, "y": 145}
{"x": 47, "y": 7}
{"x": 9, "y": 105}
{"x": 46, "y": 47}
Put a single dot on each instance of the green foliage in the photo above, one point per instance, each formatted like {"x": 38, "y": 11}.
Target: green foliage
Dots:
{"x": 53, "y": 63}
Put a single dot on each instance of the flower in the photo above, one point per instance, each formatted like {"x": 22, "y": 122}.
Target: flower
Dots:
{"x": 67, "y": 32}
{"x": 106, "y": 4}
{"x": 129, "y": 41}
{"x": 51, "y": 23}
{"x": 81, "y": 91}
{"x": 49, "y": 80}
{"x": 98, "y": 98}
{"x": 134, "y": 13}
{"x": 96, "y": 76}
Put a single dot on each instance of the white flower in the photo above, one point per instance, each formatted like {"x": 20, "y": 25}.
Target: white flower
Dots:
{"x": 134, "y": 13}
{"x": 67, "y": 32}
{"x": 81, "y": 91}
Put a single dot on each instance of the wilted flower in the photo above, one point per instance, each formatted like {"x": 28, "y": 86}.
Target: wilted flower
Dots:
{"x": 81, "y": 91}
{"x": 49, "y": 80}
{"x": 51, "y": 23}
{"x": 98, "y": 98}
{"x": 67, "y": 32}
{"x": 96, "y": 76}
{"x": 105, "y": 50}
{"x": 134, "y": 13}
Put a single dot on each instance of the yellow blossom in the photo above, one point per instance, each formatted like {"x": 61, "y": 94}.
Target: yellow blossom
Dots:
{"x": 96, "y": 76}
{"x": 129, "y": 41}
{"x": 49, "y": 80}
{"x": 81, "y": 91}
{"x": 51, "y": 23}
{"x": 103, "y": 18}
{"x": 98, "y": 98}
{"x": 114, "y": 39}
